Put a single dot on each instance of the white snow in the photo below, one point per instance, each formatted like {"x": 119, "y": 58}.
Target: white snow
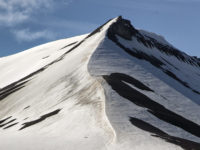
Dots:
{"x": 92, "y": 115}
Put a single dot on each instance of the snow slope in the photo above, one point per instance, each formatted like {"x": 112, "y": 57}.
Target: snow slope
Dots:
{"x": 115, "y": 88}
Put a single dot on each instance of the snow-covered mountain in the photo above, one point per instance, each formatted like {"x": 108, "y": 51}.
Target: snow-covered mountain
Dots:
{"x": 117, "y": 88}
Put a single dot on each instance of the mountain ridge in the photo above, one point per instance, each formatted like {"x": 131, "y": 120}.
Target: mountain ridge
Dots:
{"x": 124, "y": 25}
{"x": 114, "y": 88}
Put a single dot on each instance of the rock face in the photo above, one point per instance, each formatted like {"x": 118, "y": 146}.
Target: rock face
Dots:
{"x": 117, "y": 88}
{"x": 123, "y": 28}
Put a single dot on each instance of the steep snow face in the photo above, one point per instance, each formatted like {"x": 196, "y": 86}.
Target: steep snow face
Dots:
{"x": 48, "y": 100}
{"x": 173, "y": 64}
{"x": 22, "y": 64}
{"x": 115, "y": 88}
{"x": 152, "y": 89}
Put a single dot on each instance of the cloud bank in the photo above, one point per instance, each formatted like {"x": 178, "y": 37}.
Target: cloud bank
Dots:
{"x": 17, "y": 12}
{"x": 13, "y": 12}
{"x": 27, "y": 35}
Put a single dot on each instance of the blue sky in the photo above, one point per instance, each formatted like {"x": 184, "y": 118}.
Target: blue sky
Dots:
{"x": 28, "y": 23}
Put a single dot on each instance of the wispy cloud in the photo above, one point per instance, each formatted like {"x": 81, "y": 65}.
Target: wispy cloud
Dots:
{"x": 17, "y": 12}
{"x": 27, "y": 35}
{"x": 13, "y": 12}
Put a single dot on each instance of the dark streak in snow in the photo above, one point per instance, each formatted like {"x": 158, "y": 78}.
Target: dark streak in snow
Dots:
{"x": 172, "y": 75}
{"x": 185, "y": 144}
{"x": 2, "y": 125}
{"x": 45, "y": 57}
{"x": 124, "y": 29}
{"x": 170, "y": 63}
{"x": 152, "y": 60}
{"x": 26, "y": 107}
{"x": 153, "y": 107}
{"x": 196, "y": 91}
{"x": 139, "y": 54}
{"x": 91, "y": 34}
{"x": 69, "y": 45}
{"x": 42, "y": 118}
{"x": 6, "y": 91}
{"x": 169, "y": 73}
{"x": 131, "y": 80}
{"x": 2, "y": 121}
{"x": 15, "y": 86}
{"x": 10, "y": 125}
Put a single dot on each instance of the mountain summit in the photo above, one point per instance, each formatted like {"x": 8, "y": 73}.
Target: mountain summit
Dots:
{"x": 116, "y": 88}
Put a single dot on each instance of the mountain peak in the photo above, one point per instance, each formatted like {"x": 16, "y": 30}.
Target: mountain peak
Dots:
{"x": 123, "y": 28}
{"x": 116, "y": 88}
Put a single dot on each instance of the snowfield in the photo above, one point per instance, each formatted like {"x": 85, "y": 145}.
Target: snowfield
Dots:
{"x": 117, "y": 88}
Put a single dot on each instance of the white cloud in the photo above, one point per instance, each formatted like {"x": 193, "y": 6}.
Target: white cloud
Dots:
{"x": 17, "y": 11}
{"x": 27, "y": 35}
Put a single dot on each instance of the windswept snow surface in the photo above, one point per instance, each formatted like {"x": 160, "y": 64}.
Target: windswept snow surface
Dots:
{"x": 117, "y": 88}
